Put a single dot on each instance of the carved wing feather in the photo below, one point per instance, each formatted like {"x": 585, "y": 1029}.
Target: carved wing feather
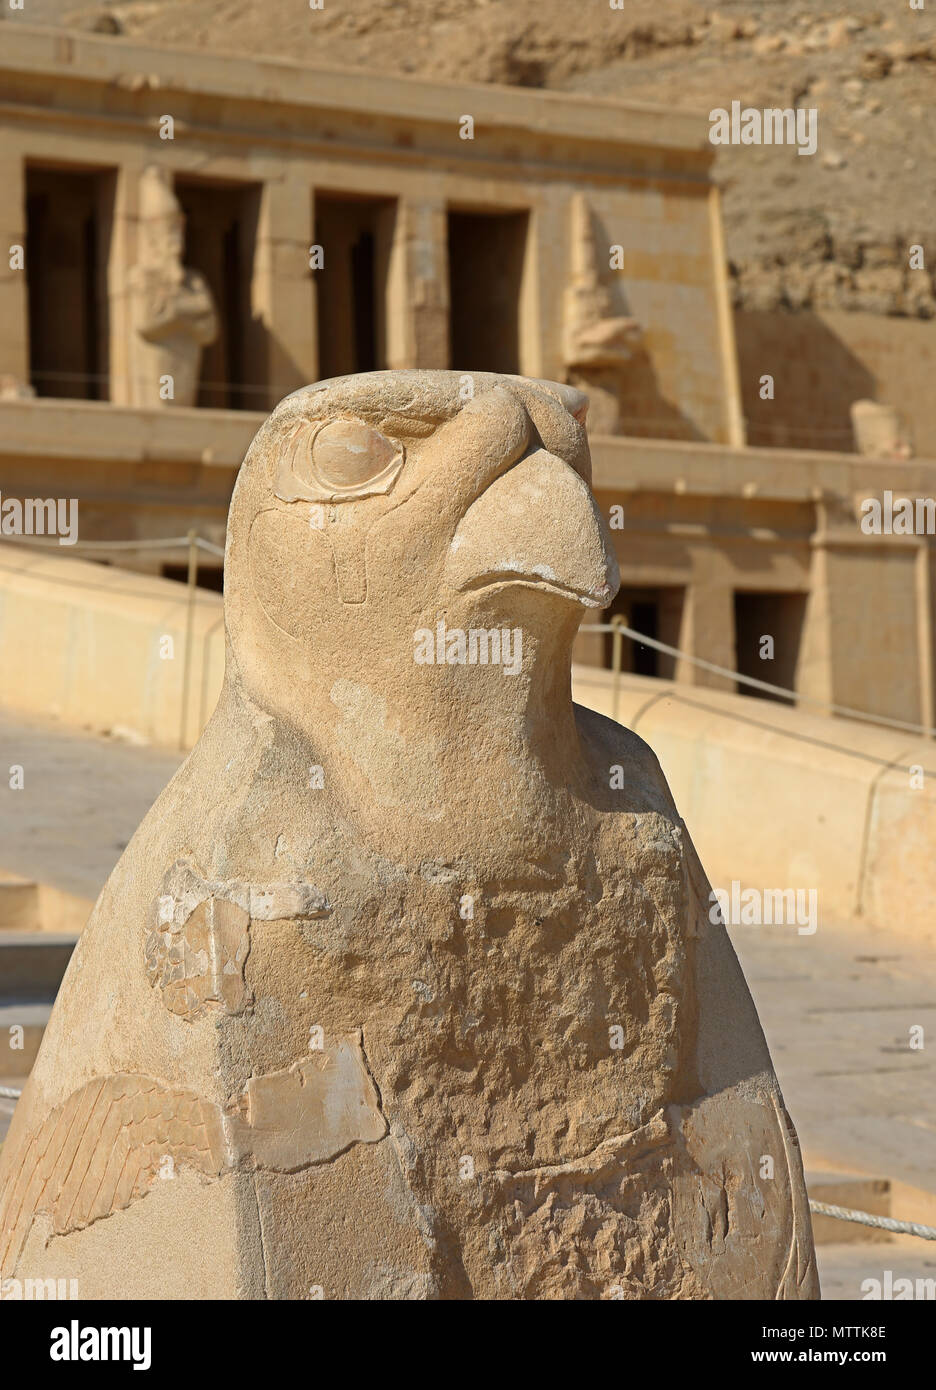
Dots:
{"x": 101, "y": 1150}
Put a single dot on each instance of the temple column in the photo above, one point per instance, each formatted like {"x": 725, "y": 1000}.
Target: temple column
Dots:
{"x": 417, "y": 287}
{"x": 124, "y": 243}
{"x": 14, "y": 298}
{"x": 283, "y": 291}
{"x": 868, "y": 638}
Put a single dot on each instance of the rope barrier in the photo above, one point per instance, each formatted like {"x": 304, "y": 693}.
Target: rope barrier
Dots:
{"x": 169, "y": 543}
{"x": 10, "y": 1093}
{"x": 794, "y": 695}
{"x": 865, "y": 1218}
{"x": 617, "y": 628}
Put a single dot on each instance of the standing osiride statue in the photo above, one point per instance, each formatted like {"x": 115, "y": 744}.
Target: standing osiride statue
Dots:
{"x": 173, "y": 313}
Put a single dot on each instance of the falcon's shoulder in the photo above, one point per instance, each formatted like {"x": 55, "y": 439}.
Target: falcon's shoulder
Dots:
{"x": 610, "y": 746}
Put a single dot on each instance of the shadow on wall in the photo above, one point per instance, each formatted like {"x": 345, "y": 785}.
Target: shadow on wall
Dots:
{"x": 816, "y": 379}
{"x": 645, "y": 411}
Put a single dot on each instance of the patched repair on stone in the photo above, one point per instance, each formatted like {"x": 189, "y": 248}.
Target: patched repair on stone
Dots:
{"x": 407, "y": 986}
{"x": 106, "y": 1146}
{"x": 316, "y": 1109}
{"x": 198, "y": 946}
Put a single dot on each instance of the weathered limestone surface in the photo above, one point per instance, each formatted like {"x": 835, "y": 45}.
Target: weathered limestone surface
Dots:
{"x": 406, "y": 987}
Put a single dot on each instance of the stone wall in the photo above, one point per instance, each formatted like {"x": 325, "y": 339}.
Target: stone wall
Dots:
{"x": 779, "y": 798}
{"x": 696, "y": 525}
{"x": 256, "y": 144}
{"x": 822, "y": 361}
{"x": 781, "y": 523}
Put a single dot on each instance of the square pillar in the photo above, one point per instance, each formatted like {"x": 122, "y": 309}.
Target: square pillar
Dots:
{"x": 708, "y": 624}
{"x": 14, "y": 298}
{"x": 283, "y": 290}
{"x": 417, "y": 287}
{"x": 124, "y": 242}
{"x": 869, "y": 628}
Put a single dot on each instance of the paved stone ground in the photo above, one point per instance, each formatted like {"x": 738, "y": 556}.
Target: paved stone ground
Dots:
{"x": 844, "y": 1269}
{"x": 82, "y": 799}
{"x": 837, "y": 1010}
{"x": 837, "y": 1007}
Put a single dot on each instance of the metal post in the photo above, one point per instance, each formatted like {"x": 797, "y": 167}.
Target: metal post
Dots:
{"x": 617, "y": 656}
{"x": 189, "y": 633}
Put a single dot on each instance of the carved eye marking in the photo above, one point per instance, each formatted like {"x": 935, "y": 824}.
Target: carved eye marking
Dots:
{"x": 339, "y": 459}
{"x": 346, "y": 453}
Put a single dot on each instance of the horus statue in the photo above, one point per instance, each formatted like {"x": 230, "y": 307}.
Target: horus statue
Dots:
{"x": 408, "y": 986}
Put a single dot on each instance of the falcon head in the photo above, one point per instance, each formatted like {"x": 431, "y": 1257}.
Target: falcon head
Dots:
{"x": 372, "y": 505}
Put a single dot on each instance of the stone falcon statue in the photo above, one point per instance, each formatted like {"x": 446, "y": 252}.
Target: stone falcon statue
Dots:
{"x": 400, "y": 991}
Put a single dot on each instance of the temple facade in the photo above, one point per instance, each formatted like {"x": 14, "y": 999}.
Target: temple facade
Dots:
{"x": 187, "y": 238}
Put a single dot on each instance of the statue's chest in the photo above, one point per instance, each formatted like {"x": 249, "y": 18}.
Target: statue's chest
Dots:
{"x": 608, "y": 903}
{"x": 539, "y": 998}
{"x": 554, "y": 992}
{"x": 579, "y": 936}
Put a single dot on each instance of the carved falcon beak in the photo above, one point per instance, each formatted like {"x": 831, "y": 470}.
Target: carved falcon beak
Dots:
{"x": 537, "y": 524}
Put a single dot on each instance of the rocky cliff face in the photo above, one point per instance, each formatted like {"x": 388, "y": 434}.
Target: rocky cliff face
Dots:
{"x": 833, "y": 230}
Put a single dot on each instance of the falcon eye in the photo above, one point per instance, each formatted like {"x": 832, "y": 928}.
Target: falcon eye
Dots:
{"x": 346, "y": 454}
{"x": 336, "y": 461}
